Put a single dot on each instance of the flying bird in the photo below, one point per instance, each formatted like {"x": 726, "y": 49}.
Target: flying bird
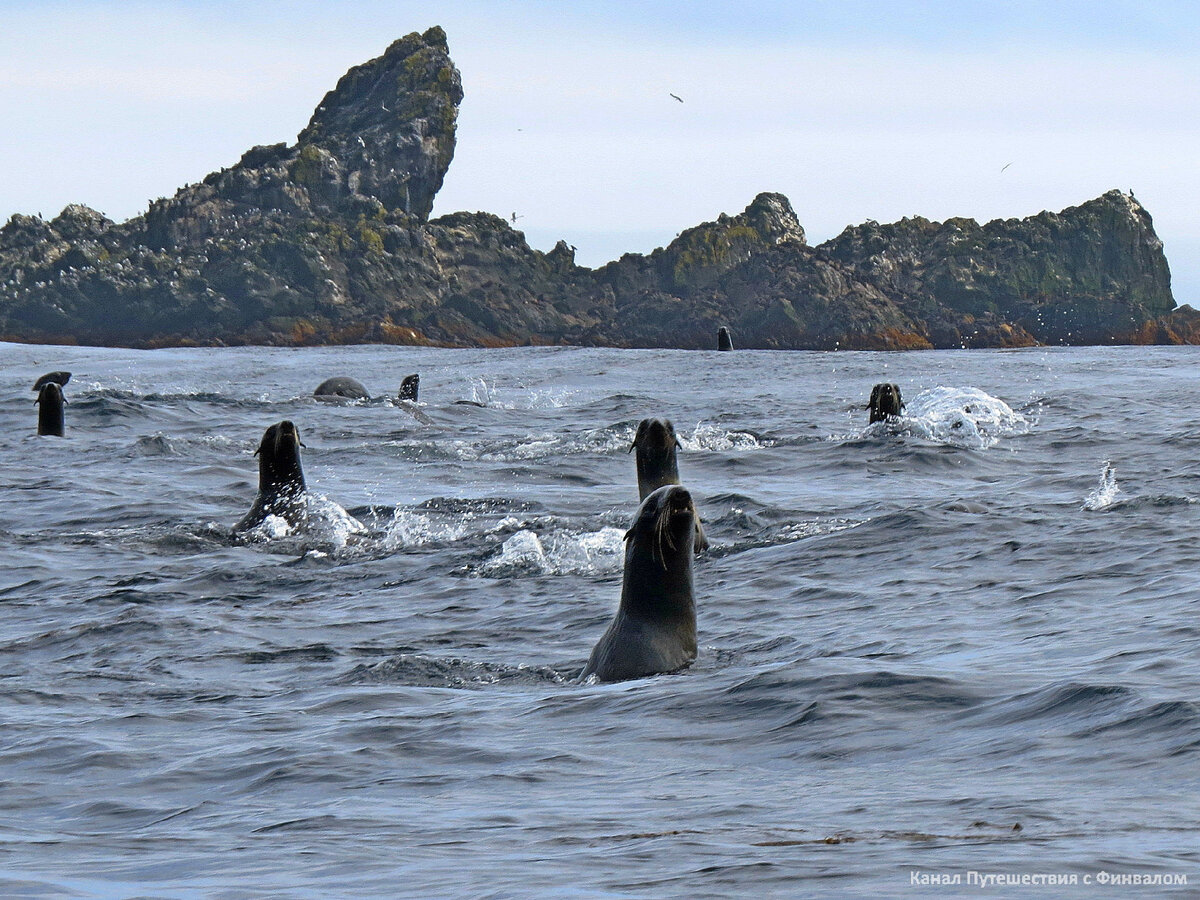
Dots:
{"x": 676, "y": 96}
{"x": 1005, "y": 166}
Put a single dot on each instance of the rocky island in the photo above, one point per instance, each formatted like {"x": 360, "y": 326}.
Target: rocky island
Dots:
{"x": 329, "y": 241}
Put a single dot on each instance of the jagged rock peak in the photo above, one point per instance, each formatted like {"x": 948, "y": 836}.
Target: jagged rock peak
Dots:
{"x": 1120, "y": 205}
{"x": 702, "y": 253}
{"x": 77, "y": 221}
{"x": 772, "y": 216}
{"x": 389, "y": 126}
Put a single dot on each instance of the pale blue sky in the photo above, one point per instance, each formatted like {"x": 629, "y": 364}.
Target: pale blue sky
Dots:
{"x": 854, "y": 110}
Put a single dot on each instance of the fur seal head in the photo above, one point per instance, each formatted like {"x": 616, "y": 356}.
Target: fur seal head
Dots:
{"x": 280, "y": 478}
{"x": 59, "y": 378}
{"x": 50, "y": 409}
{"x": 885, "y": 401}
{"x": 657, "y": 464}
{"x": 654, "y": 630}
{"x": 655, "y": 443}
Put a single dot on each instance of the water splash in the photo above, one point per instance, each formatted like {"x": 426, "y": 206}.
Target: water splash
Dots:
{"x": 272, "y": 528}
{"x": 958, "y": 417}
{"x": 1105, "y": 493}
{"x": 330, "y": 523}
{"x": 712, "y": 437}
{"x": 559, "y": 553}
{"x": 413, "y": 529}
{"x": 481, "y": 392}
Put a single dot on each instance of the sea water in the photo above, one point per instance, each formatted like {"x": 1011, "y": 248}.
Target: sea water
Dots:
{"x": 963, "y": 641}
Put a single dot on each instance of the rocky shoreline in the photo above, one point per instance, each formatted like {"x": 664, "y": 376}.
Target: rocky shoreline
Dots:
{"x": 328, "y": 241}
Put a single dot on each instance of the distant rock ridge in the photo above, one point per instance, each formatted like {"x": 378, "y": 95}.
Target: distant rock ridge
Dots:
{"x": 329, "y": 240}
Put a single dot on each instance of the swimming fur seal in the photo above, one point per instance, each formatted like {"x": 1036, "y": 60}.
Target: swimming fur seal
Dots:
{"x": 59, "y": 378}
{"x": 409, "y": 387}
{"x": 654, "y": 630}
{"x": 341, "y": 387}
{"x": 657, "y": 466}
{"x": 50, "y": 409}
{"x": 280, "y": 479}
{"x": 885, "y": 401}
{"x": 724, "y": 341}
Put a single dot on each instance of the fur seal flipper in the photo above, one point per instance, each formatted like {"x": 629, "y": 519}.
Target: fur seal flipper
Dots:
{"x": 280, "y": 479}
{"x": 409, "y": 388}
{"x": 59, "y": 378}
{"x": 343, "y": 387}
{"x": 885, "y": 401}
{"x": 657, "y": 465}
{"x": 50, "y": 409}
{"x": 654, "y": 630}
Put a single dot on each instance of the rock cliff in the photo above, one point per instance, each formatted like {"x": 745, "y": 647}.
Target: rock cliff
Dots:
{"x": 1092, "y": 274}
{"x": 328, "y": 240}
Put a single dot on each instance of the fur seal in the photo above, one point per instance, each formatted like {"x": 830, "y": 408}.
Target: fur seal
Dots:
{"x": 724, "y": 341}
{"x": 885, "y": 401}
{"x": 59, "y": 378}
{"x": 654, "y": 630}
{"x": 657, "y": 466}
{"x": 280, "y": 479}
{"x": 50, "y": 409}
{"x": 409, "y": 387}
{"x": 341, "y": 387}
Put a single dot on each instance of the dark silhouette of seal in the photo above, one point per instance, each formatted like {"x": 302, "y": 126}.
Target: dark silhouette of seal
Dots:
{"x": 59, "y": 378}
{"x": 341, "y": 387}
{"x": 409, "y": 388}
{"x": 657, "y": 465}
{"x": 280, "y": 479}
{"x": 885, "y": 401}
{"x": 50, "y": 409}
{"x": 724, "y": 341}
{"x": 654, "y": 630}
